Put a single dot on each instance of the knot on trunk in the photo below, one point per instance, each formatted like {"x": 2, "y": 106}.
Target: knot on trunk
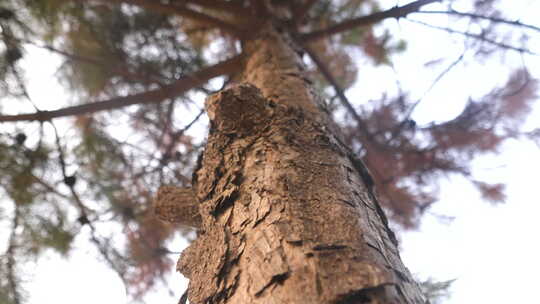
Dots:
{"x": 239, "y": 110}
{"x": 177, "y": 205}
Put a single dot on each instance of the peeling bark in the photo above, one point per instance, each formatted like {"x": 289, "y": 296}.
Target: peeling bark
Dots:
{"x": 288, "y": 214}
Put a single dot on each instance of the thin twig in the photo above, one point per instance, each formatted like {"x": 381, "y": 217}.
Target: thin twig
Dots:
{"x": 475, "y": 36}
{"x": 477, "y": 16}
{"x": 176, "y": 135}
{"x": 122, "y": 71}
{"x": 48, "y": 187}
{"x": 9, "y": 38}
{"x": 339, "y": 91}
{"x": 84, "y": 211}
{"x": 182, "y": 85}
{"x": 406, "y": 118}
{"x": 434, "y": 83}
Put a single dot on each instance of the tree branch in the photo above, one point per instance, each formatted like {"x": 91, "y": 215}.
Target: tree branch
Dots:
{"x": 476, "y": 36}
{"x": 433, "y": 84}
{"x": 339, "y": 91}
{"x": 395, "y": 12}
{"x": 476, "y": 16}
{"x": 47, "y": 187}
{"x": 398, "y": 128}
{"x": 176, "y": 135}
{"x": 123, "y": 71}
{"x": 154, "y": 96}
{"x": 104, "y": 249}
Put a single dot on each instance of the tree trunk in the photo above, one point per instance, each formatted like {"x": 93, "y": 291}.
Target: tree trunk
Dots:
{"x": 288, "y": 215}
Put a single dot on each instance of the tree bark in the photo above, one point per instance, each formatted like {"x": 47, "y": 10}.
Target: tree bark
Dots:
{"x": 288, "y": 213}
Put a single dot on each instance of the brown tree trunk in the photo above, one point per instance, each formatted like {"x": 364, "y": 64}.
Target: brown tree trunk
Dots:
{"x": 288, "y": 215}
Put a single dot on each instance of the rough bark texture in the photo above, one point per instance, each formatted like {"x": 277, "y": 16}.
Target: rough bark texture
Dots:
{"x": 288, "y": 215}
{"x": 177, "y": 205}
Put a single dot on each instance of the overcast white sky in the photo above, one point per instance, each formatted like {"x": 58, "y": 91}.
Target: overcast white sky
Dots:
{"x": 491, "y": 251}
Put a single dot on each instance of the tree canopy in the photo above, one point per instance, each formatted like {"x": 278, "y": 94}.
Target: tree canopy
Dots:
{"x": 137, "y": 71}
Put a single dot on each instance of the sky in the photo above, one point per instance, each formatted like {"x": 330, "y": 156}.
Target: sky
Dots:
{"x": 490, "y": 250}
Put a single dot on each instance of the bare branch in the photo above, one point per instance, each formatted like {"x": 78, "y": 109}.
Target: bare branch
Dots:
{"x": 476, "y": 16}
{"x": 118, "y": 70}
{"x": 476, "y": 36}
{"x": 339, "y": 91}
{"x": 176, "y": 135}
{"x": 47, "y": 187}
{"x": 398, "y": 128}
{"x": 182, "y": 85}
{"x": 395, "y": 12}
{"x": 433, "y": 84}
{"x": 104, "y": 248}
